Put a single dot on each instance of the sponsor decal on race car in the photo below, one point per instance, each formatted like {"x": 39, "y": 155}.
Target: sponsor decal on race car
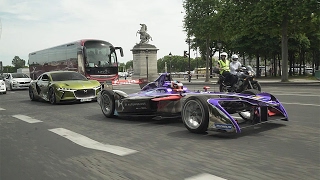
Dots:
{"x": 120, "y": 82}
{"x": 223, "y": 126}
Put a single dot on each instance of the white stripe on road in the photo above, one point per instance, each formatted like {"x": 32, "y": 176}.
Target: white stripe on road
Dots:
{"x": 285, "y": 94}
{"x": 1, "y": 109}
{"x": 205, "y": 176}
{"x": 26, "y": 118}
{"x": 92, "y": 144}
{"x": 300, "y": 104}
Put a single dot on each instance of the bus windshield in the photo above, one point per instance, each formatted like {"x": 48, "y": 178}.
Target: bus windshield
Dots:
{"x": 100, "y": 54}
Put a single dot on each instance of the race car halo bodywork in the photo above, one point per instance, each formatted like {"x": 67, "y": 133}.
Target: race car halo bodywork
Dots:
{"x": 200, "y": 111}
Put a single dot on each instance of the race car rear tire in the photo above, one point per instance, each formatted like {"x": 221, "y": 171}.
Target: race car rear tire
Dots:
{"x": 195, "y": 114}
{"x": 107, "y": 103}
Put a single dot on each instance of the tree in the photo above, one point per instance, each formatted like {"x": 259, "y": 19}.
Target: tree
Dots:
{"x": 274, "y": 18}
{"x": 129, "y": 64}
{"x": 18, "y": 63}
{"x": 200, "y": 21}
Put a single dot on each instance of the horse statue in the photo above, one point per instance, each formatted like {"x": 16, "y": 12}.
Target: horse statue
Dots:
{"x": 144, "y": 36}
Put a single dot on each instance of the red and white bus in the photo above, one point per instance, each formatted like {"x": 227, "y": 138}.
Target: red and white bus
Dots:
{"x": 95, "y": 59}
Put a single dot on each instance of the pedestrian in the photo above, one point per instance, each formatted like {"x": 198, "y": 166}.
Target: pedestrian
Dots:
{"x": 189, "y": 76}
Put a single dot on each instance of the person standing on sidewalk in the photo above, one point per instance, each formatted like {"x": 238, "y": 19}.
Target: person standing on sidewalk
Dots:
{"x": 189, "y": 76}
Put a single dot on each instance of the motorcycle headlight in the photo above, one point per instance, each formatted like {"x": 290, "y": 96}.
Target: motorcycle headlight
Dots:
{"x": 251, "y": 73}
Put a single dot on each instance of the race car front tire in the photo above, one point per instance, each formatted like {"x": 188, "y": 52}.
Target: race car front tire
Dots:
{"x": 195, "y": 114}
{"x": 107, "y": 103}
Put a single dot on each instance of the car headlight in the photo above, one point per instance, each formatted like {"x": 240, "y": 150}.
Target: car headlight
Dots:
{"x": 14, "y": 82}
{"x": 65, "y": 89}
{"x": 2, "y": 83}
{"x": 98, "y": 87}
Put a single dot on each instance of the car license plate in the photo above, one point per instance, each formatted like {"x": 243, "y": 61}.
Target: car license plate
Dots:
{"x": 85, "y": 100}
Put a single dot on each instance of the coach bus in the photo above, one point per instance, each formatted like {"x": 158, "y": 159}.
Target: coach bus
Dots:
{"x": 95, "y": 59}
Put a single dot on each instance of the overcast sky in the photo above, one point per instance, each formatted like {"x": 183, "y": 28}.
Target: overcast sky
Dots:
{"x": 31, "y": 25}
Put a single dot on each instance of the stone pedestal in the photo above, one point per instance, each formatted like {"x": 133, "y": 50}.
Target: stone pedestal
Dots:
{"x": 145, "y": 62}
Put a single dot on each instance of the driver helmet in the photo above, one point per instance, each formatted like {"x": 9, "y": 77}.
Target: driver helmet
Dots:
{"x": 176, "y": 85}
{"x": 224, "y": 54}
{"x": 235, "y": 57}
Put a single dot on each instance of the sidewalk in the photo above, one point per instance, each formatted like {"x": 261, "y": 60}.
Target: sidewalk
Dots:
{"x": 298, "y": 81}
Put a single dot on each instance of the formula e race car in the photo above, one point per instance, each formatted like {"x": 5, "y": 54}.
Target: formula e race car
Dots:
{"x": 200, "y": 111}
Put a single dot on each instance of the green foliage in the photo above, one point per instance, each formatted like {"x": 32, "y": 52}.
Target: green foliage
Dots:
{"x": 256, "y": 27}
{"x": 129, "y": 64}
{"x": 178, "y": 63}
{"x": 9, "y": 69}
{"x": 18, "y": 63}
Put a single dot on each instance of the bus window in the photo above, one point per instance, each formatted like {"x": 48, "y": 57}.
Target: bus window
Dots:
{"x": 99, "y": 55}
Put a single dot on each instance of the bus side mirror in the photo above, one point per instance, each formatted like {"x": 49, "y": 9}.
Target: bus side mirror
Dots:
{"x": 121, "y": 50}
{"x": 85, "y": 51}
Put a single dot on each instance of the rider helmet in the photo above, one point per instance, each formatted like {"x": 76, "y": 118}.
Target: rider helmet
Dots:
{"x": 235, "y": 57}
{"x": 224, "y": 54}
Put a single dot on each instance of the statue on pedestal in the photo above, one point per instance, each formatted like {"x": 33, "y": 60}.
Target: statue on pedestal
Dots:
{"x": 144, "y": 36}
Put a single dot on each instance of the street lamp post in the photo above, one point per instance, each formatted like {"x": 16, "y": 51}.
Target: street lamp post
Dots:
{"x": 170, "y": 55}
{"x": 147, "y": 65}
{"x": 196, "y": 54}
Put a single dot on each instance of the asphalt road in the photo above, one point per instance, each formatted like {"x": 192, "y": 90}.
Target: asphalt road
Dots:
{"x": 42, "y": 141}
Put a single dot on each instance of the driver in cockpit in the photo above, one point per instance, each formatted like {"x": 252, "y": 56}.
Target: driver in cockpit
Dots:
{"x": 176, "y": 86}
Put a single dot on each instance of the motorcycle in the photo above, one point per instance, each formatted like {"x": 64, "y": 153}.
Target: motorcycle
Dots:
{"x": 245, "y": 80}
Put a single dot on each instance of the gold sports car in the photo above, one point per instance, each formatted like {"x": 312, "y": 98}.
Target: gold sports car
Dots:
{"x": 63, "y": 86}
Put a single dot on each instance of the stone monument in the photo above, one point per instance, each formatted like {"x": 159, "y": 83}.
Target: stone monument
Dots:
{"x": 144, "y": 57}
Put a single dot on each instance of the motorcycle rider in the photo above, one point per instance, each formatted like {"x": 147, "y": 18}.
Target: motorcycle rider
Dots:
{"x": 234, "y": 66}
{"x": 223, "y": 66}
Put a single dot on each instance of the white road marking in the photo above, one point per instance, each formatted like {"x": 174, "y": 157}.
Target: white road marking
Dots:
{"x": 90, "y": 143}
{"x": 301, "y": 104}
{"x": 285, "y": 94}
{"x": 205, "y": 176}
{"x": 1, "y": 109}
{"x": 26, "y": 118}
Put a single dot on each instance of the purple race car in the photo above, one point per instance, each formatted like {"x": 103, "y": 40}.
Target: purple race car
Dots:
{"x": 200, "y": 110}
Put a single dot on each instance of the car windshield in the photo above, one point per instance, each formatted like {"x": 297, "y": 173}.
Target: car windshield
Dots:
{"x": 67, "y": 76}
{"x": 19, "y": 75}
